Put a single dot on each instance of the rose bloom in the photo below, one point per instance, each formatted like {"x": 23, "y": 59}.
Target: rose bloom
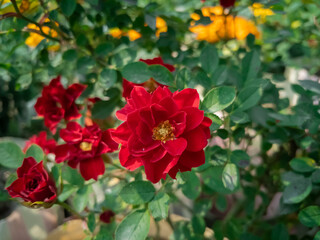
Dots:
{"x": 149, "y": 85}
{"x": 227, "y": 3}
{"x": 48, "y": 146}
{"x": 222, "y": 27}
{"x": 163, "y": 131}
{"x": 57, "y": 103}
{"x": 107, "y": 216}
{"x": 33, "y": 185}
{"x": 84, "y": 148}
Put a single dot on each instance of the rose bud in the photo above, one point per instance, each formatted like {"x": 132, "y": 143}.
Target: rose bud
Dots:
{"x": 107, "y": 216}
{"x": 33, "y": 185}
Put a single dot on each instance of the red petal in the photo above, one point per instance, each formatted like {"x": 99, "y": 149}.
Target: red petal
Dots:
{"x": 122, "y": 133}
{"x": 179, "y": 123}
{"x": 175, "y": 147}
{"x": 137, "y": 148}
{"x": 140, "y": 97}
{"x": 107, "y": 139}
{"x": 159, "y": 113}
{"x": 156, "y": 154}
{"x": 159, "y": 94}
{"x": 72, "y": 112}
{"x": 187, "y": 98}
{"x": 26, "y": 165}
{"x": 127, "y": 88}
{"x": 123, "y": 113}
{"x": 192, "y": 159}
{"x": 16, "y": 188}
{"x": 144, "y": 133}
{"x": 75, "y": 90}
{"x": 92, "y": 168}
{"x": 157, "y": 170}
{"x": 194, "y": 117}
{"x": 62, "y": 152}
{"x": 147, "y": 117}
{"x": 127, "y": 161}
{"x": 196, "y": 139}
{"x": 169, "y": 105}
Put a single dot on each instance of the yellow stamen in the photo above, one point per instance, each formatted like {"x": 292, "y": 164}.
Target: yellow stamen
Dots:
{"x": 85, "y": 146}
{"x": 163, "y": 132}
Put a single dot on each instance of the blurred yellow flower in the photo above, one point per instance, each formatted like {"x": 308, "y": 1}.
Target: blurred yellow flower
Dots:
{"x": 260, "y": 12}
{"x": 34, "y": 38}
{"x": 222, "y": 27}
{"x": 25, "y": 6}
{"x": 131, "y": 34}
{"x": 161, "y": 26}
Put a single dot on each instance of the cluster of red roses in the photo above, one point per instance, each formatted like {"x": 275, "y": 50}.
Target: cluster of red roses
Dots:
{"x": 163, "y": 131}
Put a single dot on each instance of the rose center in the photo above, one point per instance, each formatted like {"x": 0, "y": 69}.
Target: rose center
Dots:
{"x": 150, "y": 85}
{"x": 163, "y": 132}
{"x": 32, "y": 185}
{"x": 85, "y": 146}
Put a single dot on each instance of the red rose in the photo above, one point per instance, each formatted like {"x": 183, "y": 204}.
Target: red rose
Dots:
{"x": 107, "y": 216}
{"x": 84, "y": 147}
{"x": 227, "y": 3}
{"x": 47, "y": 146}
{"x": 57, "y": 103}
{"x": 163, "y": 131}
{"x": 149, "y": 85}
{"x": 33, "y": 184}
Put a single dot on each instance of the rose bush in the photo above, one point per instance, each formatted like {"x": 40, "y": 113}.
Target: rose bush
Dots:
{"x": 138, "y": 110}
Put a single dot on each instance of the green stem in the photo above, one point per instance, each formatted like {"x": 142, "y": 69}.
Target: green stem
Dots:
{"x": 69, "y": 209}
{"x": 14, "y": 3}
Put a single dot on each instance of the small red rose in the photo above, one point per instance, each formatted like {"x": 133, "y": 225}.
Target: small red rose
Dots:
{"x": 227, "y": 3}
{"x": 57, "y": 103}
{"x": 163, "y": 131}
{"x": 33, "y": 184}
{"x": 149, "y": 85}
{"x": 47, "y": 146}
{"x": 84, "y": 147}
{"x": 107, "y": 216}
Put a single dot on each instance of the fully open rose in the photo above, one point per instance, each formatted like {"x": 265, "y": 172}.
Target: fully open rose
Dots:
{"x": 163, "y": 131}
{"x": 149, "y": 85}
{"x": 57, "y": 103}
{"x": 84, "y": 147}
{"x": 33, "y": 184}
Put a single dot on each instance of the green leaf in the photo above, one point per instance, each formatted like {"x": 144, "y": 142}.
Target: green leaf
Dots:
{"x": 316, "y": 176}
{"x": 250, "y": 66}
{"x": 239, "y": 117}
{"x": 230, "y": 176}
{"x": 108, "y": 77}
{"x": 303, "y": 164}
{"x": 297, "y": 191}
{"x": 198, "y": 225}
{"x": 279, "y": 232}
{"x": 24, "y": 81}
{"x": 220, "y": 75}
{"x": 36, "y": 152}
{"x": 159, "y": 206}
{"x": 218, "y": 99}
{"x": 104, "y": 49}
{"x": 183, "y": 77}
{"x": 209, "y": 58}
{"x": 72, "y": 176}
{"x": 91, "y": 222}
{"x": 67, "y": 191}
{"x": 212, "y": 177}
{"x": 137, "y": 72}
{"x": 192, "y": 186}
{"x": 310, "y": 216}
{"x": 137, "y": 192}
{"x": 70, "y": 55}
{"x": 310, "y": 85}
{"x": 11, "y": 155}
{"x": 161, "y": 74}
{"x": 317, "y": 236}
{"x": 104, "y": 109}
{"x": 81, "y": 198}
{"x": 247, "y": 98}
{"x": 216, "y": 121}
{"x": 68, "y": 6}
{"x": 12, "y": 177}
{"x": 221, "y": 203}
{"x": 134, "y": 227}
{"x": 240, "y": 158}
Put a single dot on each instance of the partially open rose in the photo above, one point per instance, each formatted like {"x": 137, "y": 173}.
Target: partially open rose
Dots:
{"x": 33, "y": 185}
